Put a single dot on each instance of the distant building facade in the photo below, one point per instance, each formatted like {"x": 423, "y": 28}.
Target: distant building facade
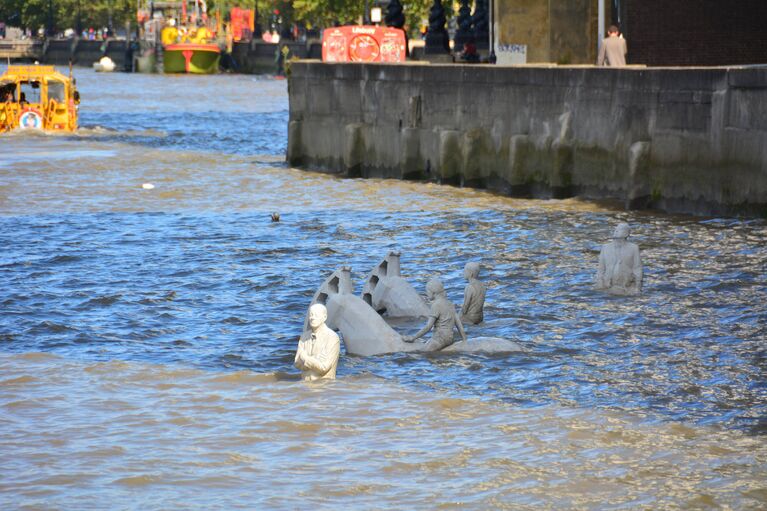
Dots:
{"x": 658, "y": 32}
{"x": 533, "y": 31}
{"x": 696, "y": 32}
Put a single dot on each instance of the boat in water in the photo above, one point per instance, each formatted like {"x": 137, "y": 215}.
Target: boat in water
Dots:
{"x": 37, "y": 98}
{"x": 191, "y": 58}
{"x": 104, "y": 65}
{"x": 179, "y": 37}
{"x": 190, "y": 51}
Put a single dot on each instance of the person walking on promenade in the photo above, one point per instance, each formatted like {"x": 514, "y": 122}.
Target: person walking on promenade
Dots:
{"x": 613, "y": 50}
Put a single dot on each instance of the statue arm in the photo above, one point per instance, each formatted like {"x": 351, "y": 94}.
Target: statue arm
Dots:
{"x": 327, "y": 357}
{"x": 637, "y": 269}
{"x": 298, "y": 361}
{"x": 459, "y": 325}
{"x": 601, "y": 271}
{"x": 422, "y": 331}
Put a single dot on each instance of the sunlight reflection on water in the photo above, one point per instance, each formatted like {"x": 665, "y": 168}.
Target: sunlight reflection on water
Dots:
{"x": 147, "y": 335}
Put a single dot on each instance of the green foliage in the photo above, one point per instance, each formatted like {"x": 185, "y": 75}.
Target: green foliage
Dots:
{"x": 64, "y": 14}
{"x": 326, "y": 13}
{"x": 417, "y": 15}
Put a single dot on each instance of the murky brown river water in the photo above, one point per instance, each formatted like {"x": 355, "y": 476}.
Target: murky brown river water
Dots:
{"x": 147, "y": 336}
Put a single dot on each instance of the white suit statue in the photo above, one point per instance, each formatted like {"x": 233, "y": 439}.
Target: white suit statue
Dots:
{"x": 319, "y": 347}
{"x": 620, "y": 265}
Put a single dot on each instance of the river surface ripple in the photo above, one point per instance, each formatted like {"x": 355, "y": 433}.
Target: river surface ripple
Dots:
{"x": 147, "y": 335}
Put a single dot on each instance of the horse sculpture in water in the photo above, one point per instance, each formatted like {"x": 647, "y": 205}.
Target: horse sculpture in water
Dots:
{"x": 366, "y": 333}
{"x": 388, "y": 293}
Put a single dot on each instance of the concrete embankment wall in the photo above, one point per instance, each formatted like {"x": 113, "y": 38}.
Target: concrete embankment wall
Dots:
{"x": 251, "y": 57}
{"x": 264, "y": 58}
{"x": 691, "y": 140}
{"x": 83, "y": 52}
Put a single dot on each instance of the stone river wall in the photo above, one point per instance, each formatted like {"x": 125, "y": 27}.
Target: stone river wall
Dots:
{"x": 689, "y": 140}
{"x": 82, "y": 52}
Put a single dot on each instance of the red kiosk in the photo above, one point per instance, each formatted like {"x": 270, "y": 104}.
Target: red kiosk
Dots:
{"x": 363, "y": 43}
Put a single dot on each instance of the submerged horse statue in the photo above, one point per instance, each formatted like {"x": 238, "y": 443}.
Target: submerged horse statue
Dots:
{"x": 366, "y": 333}
{"x": 387, "y": 292}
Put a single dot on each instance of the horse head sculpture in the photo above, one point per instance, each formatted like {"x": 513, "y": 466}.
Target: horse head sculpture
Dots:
{"x": 387, "y": 292}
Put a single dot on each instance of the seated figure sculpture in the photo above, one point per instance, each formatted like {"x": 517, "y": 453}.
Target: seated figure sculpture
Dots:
{"x": 620, "y": 265}
{"x": 319, "y": 347}
{"x": 387, "y": 292}
{"x": 442, "y": 317}
{"x": 473, "y": 295}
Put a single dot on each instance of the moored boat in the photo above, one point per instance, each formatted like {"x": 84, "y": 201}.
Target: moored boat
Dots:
{"x": 39, "y": 98}
{"x": 194, "y": 58}
{"x": 104, "y": 65}
{"x": 188, "y": 37}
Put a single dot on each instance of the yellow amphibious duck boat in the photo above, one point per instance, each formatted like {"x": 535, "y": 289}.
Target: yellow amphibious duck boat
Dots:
{"x": 37, "y": 97}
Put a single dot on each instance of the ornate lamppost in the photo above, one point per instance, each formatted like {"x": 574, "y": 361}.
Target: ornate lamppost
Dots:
{"x": 437, "y": 39}
{"x": 395, "y": 17}
{"x": 79, "y": 22}
{"x": 49, "y": 23}
{"x": 479, "y": 20}
{"x": 464, "y": 33}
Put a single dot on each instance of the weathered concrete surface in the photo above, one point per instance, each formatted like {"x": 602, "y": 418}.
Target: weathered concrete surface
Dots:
{"x": 690, "y": 140}
{"x": 20, "y": 49}
{"x": 264, "y": 58}
{"x": 83, "y": 52}
{"x": 562, "y": 32}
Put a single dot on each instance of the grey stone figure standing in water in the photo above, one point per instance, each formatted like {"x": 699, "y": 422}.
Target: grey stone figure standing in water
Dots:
{"x": 473, "y": 295}
{"x": 620, "y": 265}
{"x": 442, "y": 317}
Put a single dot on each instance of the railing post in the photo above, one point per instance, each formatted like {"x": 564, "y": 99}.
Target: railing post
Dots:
{"x": 437, "y": 39}
{"x": 464, "y": 33}
{"x": 479, "y": 20}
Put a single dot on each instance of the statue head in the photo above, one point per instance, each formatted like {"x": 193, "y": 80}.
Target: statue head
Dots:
{"x": 621, "y": 231}
{"x": 318, "y": 313}
{"x": 471, "y": 270}
{"x": 434, "y": 288}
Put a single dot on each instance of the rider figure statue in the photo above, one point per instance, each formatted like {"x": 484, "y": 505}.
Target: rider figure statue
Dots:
{"x": 473, "y": 295}
{"x": 442, "y": 317}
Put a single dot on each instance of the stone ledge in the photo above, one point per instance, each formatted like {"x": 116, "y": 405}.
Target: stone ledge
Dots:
{"x": 649, "y": 137}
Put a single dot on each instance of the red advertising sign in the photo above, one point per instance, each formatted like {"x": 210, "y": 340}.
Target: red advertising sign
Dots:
{"x": 363, "y": 43}
{"x": 242, "y": 24}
